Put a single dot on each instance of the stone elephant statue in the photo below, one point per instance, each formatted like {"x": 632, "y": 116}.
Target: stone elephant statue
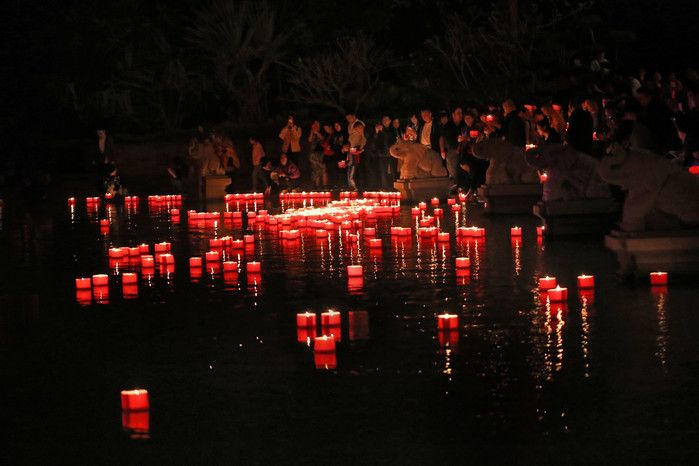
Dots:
{"x": 507, "y": 163}
{"x": 417, "y": 160}
{"x": 571, "y": 175}
{"x": 660, "y": 195}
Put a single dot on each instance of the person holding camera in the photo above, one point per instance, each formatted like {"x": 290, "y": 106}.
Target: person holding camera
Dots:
{"x": 290, "y": 136}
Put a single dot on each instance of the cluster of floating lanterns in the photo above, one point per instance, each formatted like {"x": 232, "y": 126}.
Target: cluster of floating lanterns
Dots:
{"x": 346, "y": 216}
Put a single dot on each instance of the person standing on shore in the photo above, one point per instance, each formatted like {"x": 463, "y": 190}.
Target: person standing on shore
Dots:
{"x": 258, "y": 153}
{"x": 290, "y": 136}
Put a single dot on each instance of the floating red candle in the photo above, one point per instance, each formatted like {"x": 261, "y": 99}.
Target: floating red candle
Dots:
{"x": 324, "y": 344}
{"x": 100, "y": 280}
{"x": 516, "y": 231}
{"x": 212, "y": 257}
{"x": 586, "y": 281}
{"x": 375, "y": 243}
{"x": 354, "y": 271}
{"x": 558, "y": 294}
{"x": 330, "y": 318}
{"x": 658, "y": 278}
{"x": 230, "y": 266}
{"x": 147, "y": 261}
{"x": 134, "y": 400}
{"x": 447, "y": 321}
{"x": 83, "y": 283}
{"x": 547, "y": 283}
{"x": 306, "y": 320}
{"x": 253, "y": 267}
{"x": 463, "y": 262}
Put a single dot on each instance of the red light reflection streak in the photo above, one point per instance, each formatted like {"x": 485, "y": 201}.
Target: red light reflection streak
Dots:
{"x": 559, "y": 338}
{"x": 661, "y": 338}
{"x": 585, "y": 334}
{"x": 517, "y": 259}
{"x": 447, "y": 363}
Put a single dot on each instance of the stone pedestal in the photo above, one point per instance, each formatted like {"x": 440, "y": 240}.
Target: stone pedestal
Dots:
{"x": 640, "y": 253}
{"x": 588, "y": 217}
{"x": 510, "y": 198}
{"x": 424, "y": 189}
{"x": 214, "y": 187}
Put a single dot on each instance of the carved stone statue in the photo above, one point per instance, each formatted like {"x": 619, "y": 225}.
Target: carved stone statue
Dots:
{"x": 417, "y": 160}
{"x": 571, "y": 175}
{"x": 507, "y": 164}
{"x": 660, "y": 195}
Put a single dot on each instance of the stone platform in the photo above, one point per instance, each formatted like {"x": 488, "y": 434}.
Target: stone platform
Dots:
{"x": 510, "y": 198}
{"x": 588, "y": 217}
{"x": 640, "y": 253}
{"x": 424, "y": 189}
{"x": 214, "y": 187}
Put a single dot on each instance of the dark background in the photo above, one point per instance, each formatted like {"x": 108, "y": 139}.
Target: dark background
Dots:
{"x": 60, "y": 58}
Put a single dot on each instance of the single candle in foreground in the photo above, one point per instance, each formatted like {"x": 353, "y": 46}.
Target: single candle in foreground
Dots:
{"x": 134, "y": 400}
{"x": 447, "y": 321}
{"x": 558, "y": 294}
{"x": 658, "y": 278}
{"x": 547, "y": 283}
{"x": 586, "y": 281}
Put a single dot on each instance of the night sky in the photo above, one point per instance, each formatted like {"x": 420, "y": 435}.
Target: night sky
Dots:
{"x": 54, "y": 48}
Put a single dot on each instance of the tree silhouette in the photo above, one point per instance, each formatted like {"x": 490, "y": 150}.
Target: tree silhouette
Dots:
{"x": 342, "y": 78}
{"x": 239, "y": 41}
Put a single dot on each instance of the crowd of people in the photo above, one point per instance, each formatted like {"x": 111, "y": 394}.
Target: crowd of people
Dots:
{"x": 348, "y": 153}
{"x": 656, "y": 114}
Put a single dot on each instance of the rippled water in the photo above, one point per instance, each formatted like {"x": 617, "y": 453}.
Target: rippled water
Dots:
{"x": 608, "y": 377}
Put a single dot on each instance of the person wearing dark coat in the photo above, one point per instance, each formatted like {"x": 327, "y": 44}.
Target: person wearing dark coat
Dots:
{"x": 513, "y": 129}
{"x": 579, "y": 134}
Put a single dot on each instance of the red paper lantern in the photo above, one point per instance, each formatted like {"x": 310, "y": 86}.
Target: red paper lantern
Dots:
{"x": 463, "y": 262}
{"x": 134, "y": 400}
{"x": 558, "y": 294}
{"x": 658, "y": 278}
{"x": 547, "y": 283}
{"x": 447, "y": 321}
{"x": 586, "y": 281}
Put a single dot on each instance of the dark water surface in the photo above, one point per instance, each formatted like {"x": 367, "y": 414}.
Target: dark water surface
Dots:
{"x": 611, "y": 377}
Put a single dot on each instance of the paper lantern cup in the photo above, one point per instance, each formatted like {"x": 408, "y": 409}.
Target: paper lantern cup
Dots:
{"x": 463, "y": 262}
{"x": 558, "y": 294}
{"x": 134, "y": 400}
{"x": 547, "y": 283}
{"x": 447, "y": 321}
{"x": 586, "y": 281}
{"x": 658, "y": 278}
